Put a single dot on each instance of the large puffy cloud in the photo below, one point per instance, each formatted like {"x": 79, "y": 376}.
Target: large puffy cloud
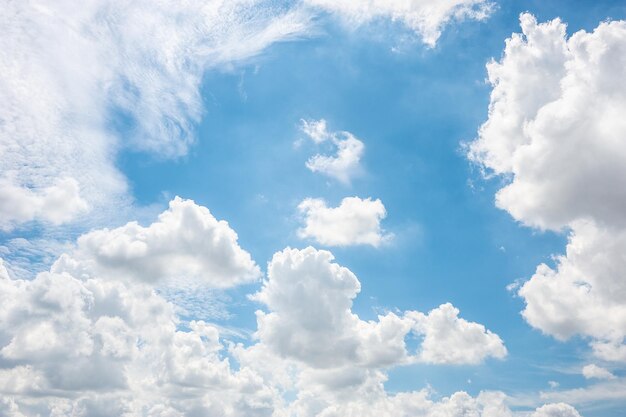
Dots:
{"x": 423, "y": 16}
{"x": 345, "y": 163}
{"x": 72, "y": 78}
{"x": 552, "y": 98}
{"x": 126, "y": 357}
{"x": 185, "y": 242}
{"x": 309, "y": 298}
{"x": 355, "y": 221}
{"x": 556, "y": 129}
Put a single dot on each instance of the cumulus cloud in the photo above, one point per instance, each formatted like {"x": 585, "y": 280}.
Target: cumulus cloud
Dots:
{"x": 552, "y": 97}
{"x": 126, "y": 356}
{"x": 55, "y": 204}
{"x": 427, "y": 18}
{"x": 450, "y": 339}
{"x": 594, "y": 371}
{"x": 355, "y": 221}
{"x": 185, "y": 242}
{"x": 309, "y": 298}
{"x": 131, "y": 355}
{"x": 556, "y": 410}
{"x": 68, "y": 72}
{"x": 345, "y": 163}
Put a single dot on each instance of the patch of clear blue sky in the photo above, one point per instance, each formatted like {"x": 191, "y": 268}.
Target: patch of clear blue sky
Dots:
{"x": 412, "y": 108}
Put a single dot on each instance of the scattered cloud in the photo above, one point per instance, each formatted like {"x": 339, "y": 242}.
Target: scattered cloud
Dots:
{"x": 345, "y": 163}
{"x": 355, "y": 221}
{"x": 594, "y": 371}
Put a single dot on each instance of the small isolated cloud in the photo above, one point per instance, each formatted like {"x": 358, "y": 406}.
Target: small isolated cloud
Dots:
{"x": 593, "y": 371}
{"x": 425, "y": 17}
{"x": 344, "y": 164}
{"x": 55, "y": 204}
{"x": 355, "y": 221}
{"x": 185, "y": 242}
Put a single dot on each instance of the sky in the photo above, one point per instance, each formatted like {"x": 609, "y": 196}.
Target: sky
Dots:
{"x": 259, "y": 208}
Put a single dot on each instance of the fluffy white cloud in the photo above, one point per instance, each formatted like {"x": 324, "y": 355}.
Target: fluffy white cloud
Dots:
{"x": 585, "y": 294}
{"x": 345, "y": 163}
{"x": 552, "y": 97}
{"x": 355, "y": 221}
{"x": 309, "y": 298}
{"x": 310, "y": 319}
{"x": 131, "y": 356}
{"x": 66, "y": 72}
{"x": 423, "y": 16}
{"x": 126, "y": 355}
{"x": 186, "y": 241}
{"x": 450, "y": 339}
{"x": 556, "y": 129}
{"x": 56, "y": 204}
{"x": 597, "y": 372}
{"x": 556, "y": 410}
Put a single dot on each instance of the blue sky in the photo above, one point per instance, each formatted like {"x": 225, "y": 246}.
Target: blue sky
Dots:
{"x": 416, "y": 109}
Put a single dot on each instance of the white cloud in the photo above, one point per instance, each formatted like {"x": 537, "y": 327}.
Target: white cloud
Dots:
{"x": 186, "y": 241}
{"x": 55, "y": 204}
{"x": 355, "y": 221}
{"x": 130, "y": 357}
{"x": 556, "y": 410}
{"x": 449, "y": 339}
{"x": 604, "y": 392}
{"x": 555, "y": 128}
{"x": 345, "y": 163}
{"x": 594, "y": 371}
{"x": 425, "y": 17}
{"x": 309, "y": 298}
{"x": 66, "y": 72}
{"x": 126, "y": 354}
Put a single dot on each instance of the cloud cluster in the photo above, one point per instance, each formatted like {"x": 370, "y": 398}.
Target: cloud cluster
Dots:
{"x": 345, "y": 163}
{"x": 355, "y": 221}
{"x": 556, "y": 129}
{"x": 427, "y": 18}
{"x": 131, "y": 355}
